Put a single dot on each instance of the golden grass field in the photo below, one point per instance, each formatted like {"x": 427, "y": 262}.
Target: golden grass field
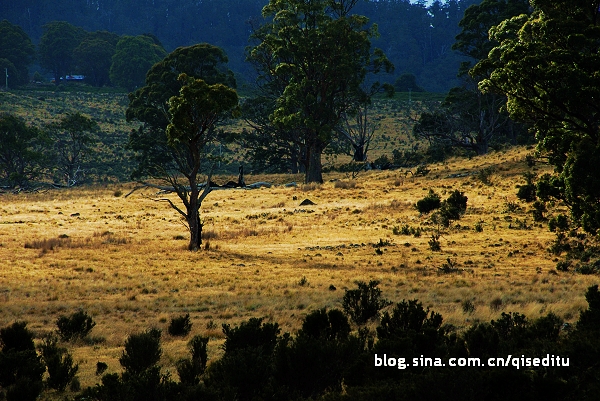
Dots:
{"x": 124, "y": 260}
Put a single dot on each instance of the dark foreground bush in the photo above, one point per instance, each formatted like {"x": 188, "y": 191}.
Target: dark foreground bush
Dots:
{"x": 21, "y": 369}
{"x": 61, "y": 370}
{"x": 327, "y": 361}
{"x": 364, "y": 303}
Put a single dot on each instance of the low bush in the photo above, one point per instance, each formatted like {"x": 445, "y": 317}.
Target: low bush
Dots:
{"x": 431, "y": 202}
{"x": 180, "y": 326}
{"x": 364, "y": 303}
{"x": 142, "y": 352}
{"x": 78, "y": 325}
{"x": 61, "y": 369}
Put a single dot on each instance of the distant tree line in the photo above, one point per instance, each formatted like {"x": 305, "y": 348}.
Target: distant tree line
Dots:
{"x": 102, "y": 57}
{"x": 416, "y": 37}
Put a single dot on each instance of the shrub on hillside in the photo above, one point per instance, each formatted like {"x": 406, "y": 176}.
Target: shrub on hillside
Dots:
{"x": 180, "y": 326}
{"x": 431, "y": 202}
{"x": 364, "y": 303}
{"x": 78, "y": 325}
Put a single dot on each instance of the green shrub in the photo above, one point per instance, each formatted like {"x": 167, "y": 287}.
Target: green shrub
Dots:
{"x": 142, "y": 352}
{"x": 431, "y": 202}
{"x": 455, "y": 206}
{"x": 180, "y": 326}
{"x": 434, "y": 243}
{"x": 364, "y": 303}
{"x": 190, "y": 370}
{"x": 320, "y": 324}
{"x": 61, "y": 370}
{"x": 527, "y": 192}
{"x": 78, "y": 325}
{"x": 21, "y": 369}
{"x": 250, "y": 334}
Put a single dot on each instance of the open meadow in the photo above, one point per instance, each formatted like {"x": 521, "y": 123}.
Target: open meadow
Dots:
{"x": 124, "y": 259}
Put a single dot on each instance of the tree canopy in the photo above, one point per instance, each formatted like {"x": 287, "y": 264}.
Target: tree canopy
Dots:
{"x": 72, "y": 138}
{"x": 314, "y": 55}
{"x": 21, "y": 151}
{"x": 547, "y": 65}
{"x": 94, "y": 55}
{"x": 186, "y": 96}
{"x": 468, "y": 118}
{"x": 18, "y": 51}
{"x": 134, "y": 56}
{"x": 56, "y": 47}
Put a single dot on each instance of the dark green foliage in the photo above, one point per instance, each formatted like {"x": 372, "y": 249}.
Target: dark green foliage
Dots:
{"x": 184, "y": 100}
{"x": 132, "y": 59}
{"x": 434, "y": 243}
{"x": 321, "y": 324}
{"x": 589, "y": 319}
{"x": 326, "y": 361}
{"x": 61, "y": 370}
{"x": 455, "y": 206}
{"x": 527, "y": 192}
{"x": 73, "y": 139}
{"x": 189, "y": 370}
{"x": 409, "y": 318}
{"x": 16, "y": 53}
{"x": 245, "y": 370}
{"x": 539, "y": 208}
{"x": 180, "y": 326}
{"x": 450, "y": 209}
{"x": 94, "y": 56}
{"x": 250, "y": 334}
{"x": 407, "y": 83}
{"x": 21, "y": 368}
{"x": 557, "y": 43}
{"x": 315, "y": 71}
{"x": 407, "y": 158}
{"x": 431, "y": 202}
{"x": 76, "y": 326}
{"x": 22, "y": 157}
{"x": 320, "y": 357}
{"x": 101, "y": 367}
{"x": 559, "y": 223}
{"x": 364, "y": 303}
{"x": 142, "y": 352}
{"x": 16, "y": 337}
{"x": 55, "y": 50}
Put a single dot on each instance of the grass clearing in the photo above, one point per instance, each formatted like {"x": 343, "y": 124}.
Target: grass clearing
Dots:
{"x": 124, "y": 260}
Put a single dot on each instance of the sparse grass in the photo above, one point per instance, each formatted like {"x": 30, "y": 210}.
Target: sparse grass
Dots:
{"x": 124, "y": 260}
{"x": 351, "y": 184}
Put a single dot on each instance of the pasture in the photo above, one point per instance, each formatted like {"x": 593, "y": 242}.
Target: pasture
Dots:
{"x": 124, "y": 259}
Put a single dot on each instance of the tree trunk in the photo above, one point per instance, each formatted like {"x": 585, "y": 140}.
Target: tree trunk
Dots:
{"x": 314, "y": 171}
{"x": 481, "y": 147}
{"x": 359, "y": 153}
{"x": 195, "y": 226}
{"x": 193, "y": 218}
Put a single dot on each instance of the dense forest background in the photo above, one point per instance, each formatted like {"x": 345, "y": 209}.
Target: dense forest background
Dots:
{"x": 417, "y": 37}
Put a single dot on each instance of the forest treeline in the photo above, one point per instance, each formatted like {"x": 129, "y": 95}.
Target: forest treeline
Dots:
{"x": 417, "y": 38}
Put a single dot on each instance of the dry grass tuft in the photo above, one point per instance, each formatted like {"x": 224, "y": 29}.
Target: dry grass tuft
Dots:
{"x": 345, "y": 184}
